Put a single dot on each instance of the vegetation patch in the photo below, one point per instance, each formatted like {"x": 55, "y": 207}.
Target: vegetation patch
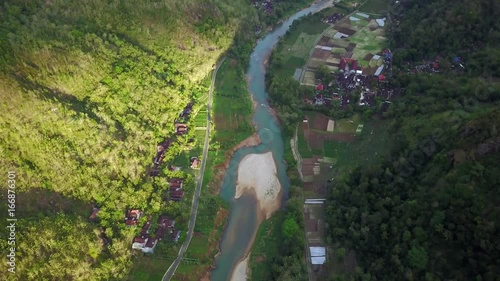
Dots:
{"x": 266, "y": 247}
{"x": 374, "y": 6}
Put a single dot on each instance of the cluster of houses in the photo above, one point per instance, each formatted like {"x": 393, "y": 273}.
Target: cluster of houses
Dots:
{"x": 351, "y": 77}
{"x": 266, "y": 5}
{"x": 145, "y": 241}
{"x": 181, "y": 128}
{"x": 161, "y": 149}
{"x": 333, "y": 18}
{"x": 180, "y": 124}
{"x": 434, "y": 66}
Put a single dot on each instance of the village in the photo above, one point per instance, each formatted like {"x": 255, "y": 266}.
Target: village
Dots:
{"x": 347, "y": 64}
{"x": 147, "y": 239}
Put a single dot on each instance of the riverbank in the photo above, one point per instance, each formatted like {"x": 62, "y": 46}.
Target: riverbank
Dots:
{"x": 241, "y": 271}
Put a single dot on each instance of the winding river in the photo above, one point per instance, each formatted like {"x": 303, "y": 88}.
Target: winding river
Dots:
{"x": 243, "y": 221}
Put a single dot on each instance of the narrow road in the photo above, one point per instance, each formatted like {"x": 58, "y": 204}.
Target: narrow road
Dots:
{"x": 194, "y": 209}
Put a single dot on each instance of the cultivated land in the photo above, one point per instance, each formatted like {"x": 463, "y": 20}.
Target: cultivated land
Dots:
{"x": 356, "y": 36}
{"x": 232, "y": 106}
{"x": 297, "y": 46}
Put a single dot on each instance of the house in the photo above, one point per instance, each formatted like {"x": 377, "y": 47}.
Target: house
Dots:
{"x": 176, "y": 194}
{"x": 94, "y": 213}
{"x": 305, "y": 119}
{"x": 176, "y": 234}
{"x": 335, "y": 17}
{"x": 155, "y": 170}
{"x": 175, "y": 182}
{"x": 195, "y": 163}
{"x": 187, "y": 110}
{"x": 319, "y": 100}
{"x": 164, "y": 221}
{"x": 384, "y": 106}
{"x": 146, "y": 243}
{"x": 145, "y": 228}
{"x": 435, "y": 66}
{"x": 132, "y": 217}
{"x": 139, "y": 242}
{"x": 174, "y": 168}
{"x": 181, "y": 128}
{"x": 161, "y": 149}
{"x": 328, "y": 101}
{"x": 387, "y": 56}
{"x": 165, "y": 227}
{"x": 320, "y": 87}
{"x": 347, "y": 65}
{"x": 150, "y": 245}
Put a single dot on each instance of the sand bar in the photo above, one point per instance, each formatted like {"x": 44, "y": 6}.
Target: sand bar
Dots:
{"x": 257, "y": 174}
{"x": 240, "y": 271}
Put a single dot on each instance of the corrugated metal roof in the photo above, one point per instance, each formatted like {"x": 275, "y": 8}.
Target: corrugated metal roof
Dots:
{"x": 318, "y": 260}
{"x": 317, "y": 251}
{"x": 379, "y": 70}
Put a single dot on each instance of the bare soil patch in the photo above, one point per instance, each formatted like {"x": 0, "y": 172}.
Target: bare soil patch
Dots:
{"x": 320, "y": 54}
{"x": 316, "y": 139}
{"x": 320, "y": 122}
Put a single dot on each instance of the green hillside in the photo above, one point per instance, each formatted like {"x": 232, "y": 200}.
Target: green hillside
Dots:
{"x": 88, "y": 89}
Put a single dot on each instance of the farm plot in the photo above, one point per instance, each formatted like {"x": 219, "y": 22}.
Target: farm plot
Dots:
{"x": 347, "y": 125}
{"x": 372, "y": 143}
{"x": 200, "y": 120}
{"x": 368, "y": 42}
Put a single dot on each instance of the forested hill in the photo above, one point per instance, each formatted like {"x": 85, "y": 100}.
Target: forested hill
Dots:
{"x": 88, "y": 89}
{"x": 429, "y": 28}
{"x": 430, "y": 210}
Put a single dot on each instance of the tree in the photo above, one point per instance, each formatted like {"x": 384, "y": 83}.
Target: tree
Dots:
{"x": 417, "y": 257}
{"x": 290, "y": 229}
{"x": 340, "y": 253}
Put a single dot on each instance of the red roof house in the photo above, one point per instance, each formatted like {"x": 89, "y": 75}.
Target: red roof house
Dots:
{"x": 150, "y": 246}
{"x": 132, "y": 217}
{"x": 347, "y": 64}
{"x": 195, "y": 163}
{"x": 139, "y": 242}
{"x": 164, "y": 221}
{"x": 181, "y": 128}
{"x": 320, "y": 87}
{"x": 145, "y": 228}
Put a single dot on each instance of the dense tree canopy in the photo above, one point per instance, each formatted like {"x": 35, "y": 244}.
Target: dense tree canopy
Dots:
{"x": 430, "y": 210}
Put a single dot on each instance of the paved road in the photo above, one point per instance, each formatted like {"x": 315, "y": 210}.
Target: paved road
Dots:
{"x": 194, "y": 209}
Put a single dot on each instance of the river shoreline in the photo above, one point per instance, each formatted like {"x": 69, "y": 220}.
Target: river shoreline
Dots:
{"x": 251, "y": 141}
{"x": 259, "y": 181}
